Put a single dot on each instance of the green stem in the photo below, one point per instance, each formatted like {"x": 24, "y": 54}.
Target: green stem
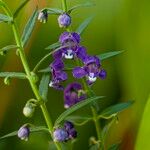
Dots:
{"x": 28, "y": 72}
{"x": 64, "y": 5}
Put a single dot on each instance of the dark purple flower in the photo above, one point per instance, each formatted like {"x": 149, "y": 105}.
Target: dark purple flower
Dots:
{"x": 60, "y": 135}
{"x": 43, "y": 16}
{"x": 64, "y": 20}
{"x": 68, "y": 125}
{"x": 23, "y": 133}
{"x": 91, "y": 69}
{"x": 73, "y": 94}
{"x": 58, "y": 75}
{"x": 81, "y": 53}
{"x": 66, "y": 37}
{"x": 72, "y": 133}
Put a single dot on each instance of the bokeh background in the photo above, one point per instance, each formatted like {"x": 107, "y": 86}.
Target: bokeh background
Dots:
{"x": 118, "y": 25}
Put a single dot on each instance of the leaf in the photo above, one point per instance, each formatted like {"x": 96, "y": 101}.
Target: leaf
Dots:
{"x": 109, "y": 54}
{"x": 7, "y": 48}
{"x": 84, "y": 25}
{"x": 54, "y": 10}
{"x": 6, "y": 19}
{"x": 75, "y": 108}
{"x": 79, "y": 120}
{"x": 46, "y": 70}
{"x": 142, "y": 141}
{"x": 115, "y": 109}
{"x": 32, "y": 129}
{"x": 19, "y": 75}
{"x": 43, "y": 87}
{"x": 29, "y": 27}
{"x": 23, "y": 3}
{"x": 53, "y": 46}
{"x": 87, "y": 4}
{"x": 114, "y": 147}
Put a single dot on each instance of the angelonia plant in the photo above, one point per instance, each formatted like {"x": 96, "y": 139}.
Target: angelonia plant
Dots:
{"x": 86, "y": 69}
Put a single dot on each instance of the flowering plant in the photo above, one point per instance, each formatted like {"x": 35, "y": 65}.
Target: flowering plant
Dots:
{"x": 85, "y": 69}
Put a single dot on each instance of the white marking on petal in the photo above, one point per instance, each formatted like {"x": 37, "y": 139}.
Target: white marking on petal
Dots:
{"x": 69, "y": 54}
{"x": 66, "y": 106}
{"x": 51, "y": 84}
{"x": 91, "y": 77}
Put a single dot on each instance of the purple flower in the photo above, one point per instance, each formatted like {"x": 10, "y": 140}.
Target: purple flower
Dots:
{"x": 72, "y": 133}
{"x": 73, "y": 94}
{"x": 66, "y": 37}
{"x": 60, "y": 135}
{"x": 64, "y": 20}
{"x": 91, "y": 69}
{"x": 57, "y": 74}
{"x": 43, "y": 16}
{"x": 68, "y": 125}
{"x": 23, "y": 133}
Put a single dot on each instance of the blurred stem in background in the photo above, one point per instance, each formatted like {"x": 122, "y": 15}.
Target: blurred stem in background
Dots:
{"x": 28, "y": 72}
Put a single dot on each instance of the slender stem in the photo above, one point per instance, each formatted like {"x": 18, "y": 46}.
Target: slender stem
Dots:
{"x": 28, "y": 72}
{"x": 64, "y": 5}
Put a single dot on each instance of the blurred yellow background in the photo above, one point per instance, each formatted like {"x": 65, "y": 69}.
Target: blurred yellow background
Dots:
{"x": 118, "y": 25}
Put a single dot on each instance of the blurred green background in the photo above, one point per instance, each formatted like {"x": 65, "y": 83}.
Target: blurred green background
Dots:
{"x": 118, "y": 25}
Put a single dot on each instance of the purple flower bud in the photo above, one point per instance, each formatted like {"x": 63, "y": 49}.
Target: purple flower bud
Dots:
{"x": 60, "y": 135}
{"x": 43, "y": 16}
{"x": 72, "y": 94}
{"x": 64, "y": 20}
{"x": 68, "y": 125}
{"x": 57, "y": 65}
{"x": 72, "y": 133}
{"x": 23, "y": 133}
{"x": 66, "y": 37}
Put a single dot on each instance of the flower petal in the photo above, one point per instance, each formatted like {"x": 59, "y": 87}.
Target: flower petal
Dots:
{"x": 79, "y": 72}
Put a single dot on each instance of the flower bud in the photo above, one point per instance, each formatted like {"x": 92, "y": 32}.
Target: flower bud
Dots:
{"x": 60, "y": 135}
{"x": 23, "y": 133}
{"x": 7, "y": 80}
{"x": 43, "y": 16}
{"x": 28, "y": 110}
{"x": 64, "y": 20}
{"x": 68, "y": 125}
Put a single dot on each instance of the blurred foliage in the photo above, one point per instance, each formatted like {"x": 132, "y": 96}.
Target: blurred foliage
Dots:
{"x": 118, "y": 25}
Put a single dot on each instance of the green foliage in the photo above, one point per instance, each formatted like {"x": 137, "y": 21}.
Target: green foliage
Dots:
{"x": 54, "y": 11}
{"x": 75, "y": 108}
{"x": 45, "y": 70}
{"x": 5, "y": 49}
{"x": 19, "y": 75}
{"x": 109, "y": 54}
{"x": 114, "y": 109}
{"x": 86, "y": 4}
{"x": 32, "y": 129}
{"x": 53, "y": 46}
{"x": 43, "y": 87}
{"x": 142, "y": 141}
{"x": 29, "y": 27}
{"x": 23, "y": 3}
{"x": 94, "y": 147}
{"x": 6, "y": 19}
{"x": 84, "y": 25}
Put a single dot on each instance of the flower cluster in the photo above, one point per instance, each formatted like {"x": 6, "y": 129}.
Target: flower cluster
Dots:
{"x": 91, "y": 69}
{"x": 66, "y": 133}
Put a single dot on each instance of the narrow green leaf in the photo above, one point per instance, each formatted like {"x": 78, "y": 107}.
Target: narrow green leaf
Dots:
{"x": 86, "y": 4}
{"x": 114, "y": 109}
{"x": 43, "y": 87}
{"x": 45, "y": 70}
{"x": 32, "y": 129}
{"x": 19, "y": 75}
{"x": 53, "y": 46}
{"x": 29, "y": 27}
{"x": 84, "y": 25}
{"x": 109, "y": 54}
{"x": 7, "y": 48}
{"x": 79, "y": 120}
{"x": 142, "y": 141}
{"x": 114, "y": 147}
{"x": 54, "y": 10}
{"x": 22, "y": 4}
{"x": 94, "y": 147}
{"x": 6, "y": 19}
{"x": 76, "y": 107}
